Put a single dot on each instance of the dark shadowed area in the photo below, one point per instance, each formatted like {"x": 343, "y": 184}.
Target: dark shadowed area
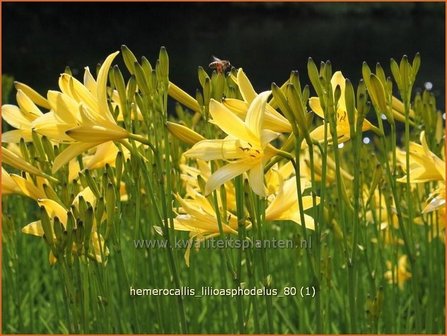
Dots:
{"x": 267, "y": 40}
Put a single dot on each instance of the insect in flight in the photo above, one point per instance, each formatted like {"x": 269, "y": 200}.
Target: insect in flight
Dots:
{"x": 219, "y": 65}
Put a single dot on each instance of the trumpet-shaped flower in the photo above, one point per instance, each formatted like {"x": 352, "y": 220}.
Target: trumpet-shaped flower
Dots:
{"x": 56, "y": 210}
{"x": 342, "y": 121}
{"x": 197, "y": 216}
{"x": 9, "y": 186}
{"x": 20, "y": 117}
{"x": 425, "y": 166}
{"x": 80, "y": 115}
{"x": 246, "y": 147}
{"x": 436, "y": 203}
{"x": 273, "y": 120}
{"x": 190, "y": 177}
{"x": 283, "y": 205}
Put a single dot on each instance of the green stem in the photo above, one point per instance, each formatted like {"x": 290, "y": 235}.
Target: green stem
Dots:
{"x": 241, "y": 236}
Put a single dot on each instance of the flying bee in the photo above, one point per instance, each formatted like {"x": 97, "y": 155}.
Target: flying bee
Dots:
{"x": 219, "y": 65}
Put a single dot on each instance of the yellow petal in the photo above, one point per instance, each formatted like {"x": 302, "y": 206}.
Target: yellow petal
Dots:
{"x": 237, "y": 106}
{"x": 226, "y": 173}
{"x": 255, "y": 114}
{"x": 88, "y": 196}
{"x": 90, "y": 82}
{"x": 245, "y": 87}
{"x": 16, "y": 161}
{"x": 32, "y": 94}
{"x": 229, "y": 122}
{"x": 318, "y": 133}
{"x": 65, "y": 108}
{"x": 71, "y": 152}
{"x": 9, "y": 186}
{"x": 105, "y": 154}
{"x": 51, "y": 127}
{"x": 438, "y": 163}
{"x": 275, "y": 121}
{"x": 16, "y": 135}
{"x": 28, "y": 188}
{"x": 34, "y": 228}
{"x": 309, "y": 222}
{"x": 267, "y": 136}
{"x": 256, "y": 179}
{"x": 314, "y": 103}
{"x": 54, "y": 209}
{"x": 73, "y": 170}
{"x": 339, "y": 80}
{"x": 14, "y": 117}
{"x": 74, "y": 88}
{"x": 102, "y": 87}
{"x": 29, "y": 109}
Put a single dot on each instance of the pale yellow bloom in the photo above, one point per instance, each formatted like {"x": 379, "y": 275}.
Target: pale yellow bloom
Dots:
{"x": 283, "y": 205}
{"x": 198, "y": 217}
{"x": 273, "y": 120}
{"x": 246, "y": 148}
{"x": 398, "y": 274}
{"x": 80, "y": 115}
{"x": 343, "y": 127}
{"x": 425, "y": 166}
{"x": 54, "y": 209}
{"x": 436, "y": 203}
{"x": 12, "y": 159}
{"x": 20, "y": 117}
{"x": 190, "y": 176}
{"x": 9, "y": 186}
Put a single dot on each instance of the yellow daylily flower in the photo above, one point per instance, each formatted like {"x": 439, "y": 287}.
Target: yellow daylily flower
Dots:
{"x": 284, "y": 205}
{"x": 425, "y": 166}
{"x": 30, "y": 189}
{"x": 197, "y": 216}
{"x": 246, "y": 147}
{"x": 9, "y": 186}
{"x": 189, "y": 175}
{"x": 54, "y": 209}
{"x": 276, "y": 176}
{"x": 20, "y": 117}
{"x": 436, "y": 203}
{"x": 273, "y": 120}
{"x": 398, "y": 274}
{"x": 343, "y": 128}
{"x": 80, "y": 115}
{"x": 12, "y": 159}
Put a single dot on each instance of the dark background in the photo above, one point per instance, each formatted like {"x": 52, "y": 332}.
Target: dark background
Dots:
{"x": 267, "y": 39}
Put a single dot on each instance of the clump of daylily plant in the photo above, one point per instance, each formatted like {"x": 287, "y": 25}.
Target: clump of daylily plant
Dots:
{"x": 125, "y": 158}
